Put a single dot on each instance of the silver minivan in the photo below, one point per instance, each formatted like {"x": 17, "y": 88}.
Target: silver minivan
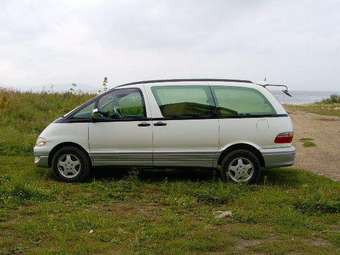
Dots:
{"x": 235, "y": 126}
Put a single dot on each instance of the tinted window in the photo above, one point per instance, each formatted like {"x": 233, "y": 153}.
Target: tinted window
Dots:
{"x": 184, "y": 101}
{"x": 236, "y": 101}
{"x": 84, "y": 113}
{"x": 122, "y": 104}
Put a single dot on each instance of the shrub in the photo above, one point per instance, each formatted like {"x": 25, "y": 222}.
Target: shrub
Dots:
{"x": 333, "y": 99}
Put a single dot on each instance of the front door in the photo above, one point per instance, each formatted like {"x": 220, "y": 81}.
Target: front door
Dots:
{"x": 185, "y": 132}
{"x": 122, "y": 135}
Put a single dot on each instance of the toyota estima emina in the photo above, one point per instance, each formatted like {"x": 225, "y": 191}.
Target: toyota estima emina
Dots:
{"x": 235, "y": 126}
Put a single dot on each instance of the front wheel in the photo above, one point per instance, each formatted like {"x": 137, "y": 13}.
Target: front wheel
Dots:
{"x": 71, "y": 164}
{"x": 241, "y": 166}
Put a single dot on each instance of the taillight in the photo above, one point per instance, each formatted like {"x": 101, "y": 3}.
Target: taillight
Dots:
{"x": 284, "y": 137}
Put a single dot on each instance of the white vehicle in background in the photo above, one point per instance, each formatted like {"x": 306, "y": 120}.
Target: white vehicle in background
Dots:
{"x": 236, "y": 126}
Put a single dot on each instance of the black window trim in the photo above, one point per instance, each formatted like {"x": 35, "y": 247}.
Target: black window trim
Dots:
{"x": 221, "y": 118}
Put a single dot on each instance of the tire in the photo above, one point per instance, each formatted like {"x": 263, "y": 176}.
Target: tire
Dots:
{"x": 241, "y": 166}
{"x": 71, "y": 164}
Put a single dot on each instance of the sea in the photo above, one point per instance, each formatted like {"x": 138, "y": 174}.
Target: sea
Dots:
{"x": 303, "y": 97}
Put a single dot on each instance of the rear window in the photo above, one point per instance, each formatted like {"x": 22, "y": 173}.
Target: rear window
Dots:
{"x": 184, "y": 101}
{"x": 239, "y": 101}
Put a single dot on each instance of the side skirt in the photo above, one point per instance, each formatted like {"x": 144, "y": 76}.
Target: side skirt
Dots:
{"x": 185, "y": 159}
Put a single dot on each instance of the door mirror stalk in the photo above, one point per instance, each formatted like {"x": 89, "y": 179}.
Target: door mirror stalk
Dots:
{"x": 95, "y": 115}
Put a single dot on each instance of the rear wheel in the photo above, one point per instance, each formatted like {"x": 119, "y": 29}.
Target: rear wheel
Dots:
{"x": 71, "y": 164}
{"x": 241, "y": 166}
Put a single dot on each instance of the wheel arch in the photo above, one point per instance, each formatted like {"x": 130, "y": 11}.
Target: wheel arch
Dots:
{"x": 240, "y": 146}
{"x": 60, "y": 145}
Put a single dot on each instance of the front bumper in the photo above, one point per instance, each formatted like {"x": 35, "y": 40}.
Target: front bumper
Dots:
{"x": 41, "y": 161}
{"x": 279, "y": 157}
{"x": 40, "y": 157}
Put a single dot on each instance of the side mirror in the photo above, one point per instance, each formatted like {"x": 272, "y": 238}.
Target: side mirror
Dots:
{"x": 95, "y": 114}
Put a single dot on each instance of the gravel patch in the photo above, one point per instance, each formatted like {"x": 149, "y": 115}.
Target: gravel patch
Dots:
{"x": 324, "y": 157}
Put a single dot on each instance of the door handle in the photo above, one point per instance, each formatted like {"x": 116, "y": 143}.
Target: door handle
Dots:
{"x": 143, "y": 124}
{"x": 159, "y": 123}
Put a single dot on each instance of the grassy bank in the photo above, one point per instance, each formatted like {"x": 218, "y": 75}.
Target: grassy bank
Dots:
{"x": 329, "y": 106}
{"x": 319, "y": 108}
{"x": 172, "y": 212}
{"x": 25, "y": 115}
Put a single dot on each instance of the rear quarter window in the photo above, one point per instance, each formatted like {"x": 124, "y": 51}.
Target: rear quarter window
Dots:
{"x": 231, "y": 101}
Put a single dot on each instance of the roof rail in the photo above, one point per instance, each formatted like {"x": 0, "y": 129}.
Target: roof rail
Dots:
{"x": 181, "y": 80}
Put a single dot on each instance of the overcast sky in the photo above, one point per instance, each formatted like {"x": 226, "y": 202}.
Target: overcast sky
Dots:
{"x": 60, "y": 42}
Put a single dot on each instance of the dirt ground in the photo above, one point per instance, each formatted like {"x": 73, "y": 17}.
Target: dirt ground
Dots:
{"x": 324, "y": 157}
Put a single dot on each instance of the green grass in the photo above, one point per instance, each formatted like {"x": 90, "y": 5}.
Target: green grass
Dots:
{"x": 170, "y": 212}
{"x": 25, "y": 115}
{"x": 319, "y": 108}
{"x": 307, "y": 142}
{"x": 153, "y": 212}
{"x": 329, "y": 106}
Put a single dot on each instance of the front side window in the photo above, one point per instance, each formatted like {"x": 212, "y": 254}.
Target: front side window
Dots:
{"x": 122, "y": 104}
{"x": 240, "y": 101}
{"x": 84, "y": 113}
{"x": 184, "y": 101}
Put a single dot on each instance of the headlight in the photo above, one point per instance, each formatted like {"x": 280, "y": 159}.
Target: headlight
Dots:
{"x": 41, "y": 142}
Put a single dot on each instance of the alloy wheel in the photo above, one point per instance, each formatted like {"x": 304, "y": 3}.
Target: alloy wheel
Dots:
{"x": 240, "y": 169}
{"x": 69, "y": 165}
